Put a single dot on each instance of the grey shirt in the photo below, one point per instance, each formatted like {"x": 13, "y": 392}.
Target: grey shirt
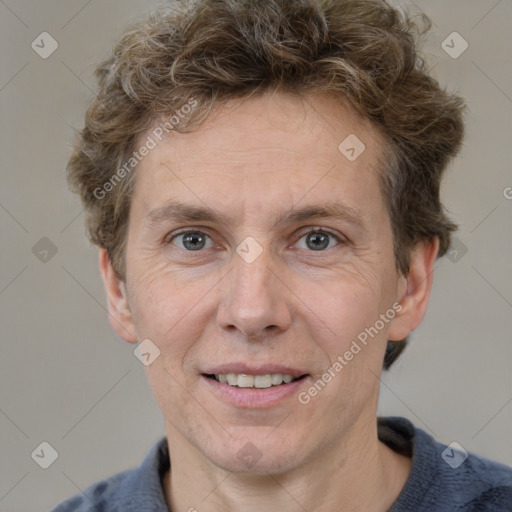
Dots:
{"x": 442, "y": 479}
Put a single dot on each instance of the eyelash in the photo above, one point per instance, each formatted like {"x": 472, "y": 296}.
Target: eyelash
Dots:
{"x": 340, "y": 240}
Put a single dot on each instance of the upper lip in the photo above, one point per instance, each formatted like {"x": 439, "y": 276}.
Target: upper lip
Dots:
{"x": 253, "y": 369}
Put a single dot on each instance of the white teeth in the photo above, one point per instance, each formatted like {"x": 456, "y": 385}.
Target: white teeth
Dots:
{"x": 243, "y": 380}
{"x": 277, "y": 378}
{"x": 263, "y": 381}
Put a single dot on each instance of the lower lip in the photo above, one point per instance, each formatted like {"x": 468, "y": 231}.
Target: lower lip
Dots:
{"x": 254, "y": 398}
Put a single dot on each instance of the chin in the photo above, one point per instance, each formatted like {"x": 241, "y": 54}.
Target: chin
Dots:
{"x": 256, "y": 455}
{"x": 267, "y": 465}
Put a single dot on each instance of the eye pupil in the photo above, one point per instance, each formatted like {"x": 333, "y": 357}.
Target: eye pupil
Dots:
{"x": 317, "y": 241}
{"x": 193, "y": 241}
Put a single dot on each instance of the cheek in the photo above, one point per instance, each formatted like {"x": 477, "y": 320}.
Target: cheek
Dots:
{"x": 168, "y": 310}
{"x": 341, "y": 314}
{"x": 346, "y": 299}
{"x": 341, "y": 317}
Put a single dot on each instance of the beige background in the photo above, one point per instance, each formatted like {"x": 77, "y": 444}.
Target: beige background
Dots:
{"x": 66, "y": 379}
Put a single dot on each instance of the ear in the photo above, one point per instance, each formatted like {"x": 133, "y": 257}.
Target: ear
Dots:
{"x": 414, "y": 290}
{"x": 119, "y": 309}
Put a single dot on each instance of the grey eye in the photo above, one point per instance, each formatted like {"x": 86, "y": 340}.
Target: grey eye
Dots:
{"x": 318, "y": 240}
{"x": 192, "y": 240}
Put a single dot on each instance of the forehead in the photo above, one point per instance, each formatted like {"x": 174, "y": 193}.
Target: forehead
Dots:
{"x": 269, "y": 150}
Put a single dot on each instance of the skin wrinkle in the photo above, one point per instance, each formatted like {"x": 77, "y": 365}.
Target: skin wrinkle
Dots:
{"x": 213, "y": 307}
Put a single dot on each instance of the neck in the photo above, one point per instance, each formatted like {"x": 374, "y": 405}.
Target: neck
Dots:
{"x": 356, "y": 476}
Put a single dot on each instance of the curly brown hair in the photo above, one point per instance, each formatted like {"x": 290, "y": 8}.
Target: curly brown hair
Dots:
{"x": 203, "y": 52}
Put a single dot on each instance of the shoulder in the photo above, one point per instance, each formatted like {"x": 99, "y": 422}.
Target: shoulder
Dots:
{"x": 99, "y": 497}
{"x": 138, "y": 489}
{"x": 476, "y": 483}
{"x": 463, "y": 481}
{"x": 446, "y": 478}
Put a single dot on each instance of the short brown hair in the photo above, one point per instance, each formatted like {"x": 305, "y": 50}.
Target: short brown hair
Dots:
{"x": 360, "y": 51}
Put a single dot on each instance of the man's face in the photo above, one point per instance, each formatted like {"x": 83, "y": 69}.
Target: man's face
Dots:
{"x": 252, "y": 290}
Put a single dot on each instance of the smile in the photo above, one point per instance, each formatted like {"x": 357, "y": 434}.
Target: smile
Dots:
{"x": 256, "y": 390}
{"x": 242, "y": 380}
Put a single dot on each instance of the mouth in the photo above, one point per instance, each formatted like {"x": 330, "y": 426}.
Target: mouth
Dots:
{"x": 254, "y": 388}
{"x": 243, "y": 380}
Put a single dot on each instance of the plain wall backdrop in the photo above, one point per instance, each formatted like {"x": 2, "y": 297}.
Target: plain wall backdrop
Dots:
{"x": 66, "y": 379}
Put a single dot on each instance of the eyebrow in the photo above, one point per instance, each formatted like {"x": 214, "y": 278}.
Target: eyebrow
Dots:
{"x": 181, "y": 212}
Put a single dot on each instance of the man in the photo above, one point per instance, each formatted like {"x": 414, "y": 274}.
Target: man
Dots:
{"x": 262, "y": 179}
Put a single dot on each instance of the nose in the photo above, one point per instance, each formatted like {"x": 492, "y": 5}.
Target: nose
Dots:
{"x": 254, "y": 302}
